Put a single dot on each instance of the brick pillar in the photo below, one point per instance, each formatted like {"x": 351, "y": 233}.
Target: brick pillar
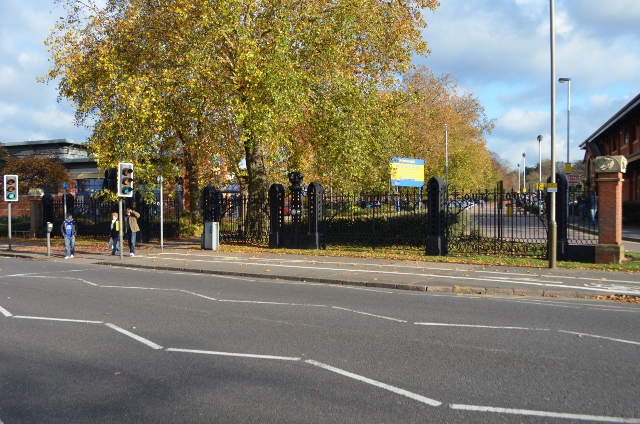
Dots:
{"x": 610, "y": 170}
{"x": 35, "y": 200}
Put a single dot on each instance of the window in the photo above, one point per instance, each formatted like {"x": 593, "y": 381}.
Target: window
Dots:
{"x": 626, "y": 136}
{"x": 614, "y": 144}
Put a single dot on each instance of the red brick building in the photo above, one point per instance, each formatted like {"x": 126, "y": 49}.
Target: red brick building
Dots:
{"x": 619, "y": 136}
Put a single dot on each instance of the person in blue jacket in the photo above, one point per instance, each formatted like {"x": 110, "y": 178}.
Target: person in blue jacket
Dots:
{"x": 69, "y": 230}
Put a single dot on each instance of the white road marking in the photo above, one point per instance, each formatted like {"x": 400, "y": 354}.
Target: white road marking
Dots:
{"x": 134, "y": 336}
{"x": 82, "y": 321}
{"x": 512, "y": 278}
{"x": 269, "y": 303}
{"x": 5, "y": 312}
{"x": 371, "y": 315}
{"x": 439, "y": 324}
{"x": 414, "y": 396}
{"x": 240, "y": 355}
{"x": 544, "y": 414}
{"x": 197, "y": 295}
{"x": 600, "y": 337}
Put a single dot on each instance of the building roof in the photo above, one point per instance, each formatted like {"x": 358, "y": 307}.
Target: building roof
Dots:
{"x": 612, "y": 121}
{"x": 63, "y": 141}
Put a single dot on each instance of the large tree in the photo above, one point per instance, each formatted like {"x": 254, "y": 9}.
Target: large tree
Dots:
{"x": 166, "y": 82}
{"x": 434, "y": 105}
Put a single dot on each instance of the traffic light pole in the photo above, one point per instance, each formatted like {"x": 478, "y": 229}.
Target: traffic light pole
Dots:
{"x": 121, "y": 222}
{"x": 9, "y": 223}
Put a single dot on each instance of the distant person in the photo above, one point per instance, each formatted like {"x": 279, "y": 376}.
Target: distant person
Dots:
{"x": 69, "y": 230}
{"x": 593, "y": 207}
{"x": 114, "y": 234}
{"x": 131, "y": 228}
{"x": 582, "y": 206}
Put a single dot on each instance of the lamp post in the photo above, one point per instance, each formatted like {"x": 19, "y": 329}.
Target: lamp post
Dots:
{"x": 524, "y": 173}
{"x": 568, "y": 81}
{"x": 552, "y": 236}
{"x": 539, "y": 174}
{"x": 519, "y": 178}
{"x": 446, "y": 155}
{"x": 540, "y": 158}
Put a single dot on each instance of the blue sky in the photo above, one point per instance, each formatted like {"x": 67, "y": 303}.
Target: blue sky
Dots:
{"x": 497, "y": 49}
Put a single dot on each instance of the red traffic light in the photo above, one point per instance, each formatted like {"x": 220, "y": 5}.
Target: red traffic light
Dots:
{"x": 127, "y": 171}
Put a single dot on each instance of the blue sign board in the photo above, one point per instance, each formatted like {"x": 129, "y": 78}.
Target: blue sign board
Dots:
{"x": 406, "y": 172}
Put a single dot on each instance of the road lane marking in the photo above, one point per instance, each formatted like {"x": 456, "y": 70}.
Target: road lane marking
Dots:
{"x": 82, "y": 321}
{"x": 5, "y": 312}
{"x": 600, "y": 337}
{"x": 440, "y": 324}
{"x": 368, "y": 314}
{"x": 134, "y": 336}
{"x": 410, "y": 395}
{"x": 544, "y": 414}
{"x": 258, "y": 302}
{"x": 239, "y": 355}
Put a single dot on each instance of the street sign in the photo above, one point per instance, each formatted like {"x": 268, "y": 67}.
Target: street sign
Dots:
{"x": 406, "y": 172}
{"x": 573, "y": 178}
{"x": 552, "y": 187}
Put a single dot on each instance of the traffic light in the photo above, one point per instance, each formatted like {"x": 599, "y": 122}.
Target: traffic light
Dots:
{"x": 125, "y": 179}
{"x": 110, "y": 179}
{"x": 10, "y": 188}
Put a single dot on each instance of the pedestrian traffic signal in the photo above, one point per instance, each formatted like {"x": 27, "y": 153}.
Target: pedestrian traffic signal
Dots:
{"x": 125, "y": 179}
{"x": 10, "y": 188}
{"x": 110, "y": 179}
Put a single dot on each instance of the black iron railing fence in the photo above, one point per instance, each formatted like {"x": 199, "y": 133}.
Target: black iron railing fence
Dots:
{"x": 93, "y": 216}
{"x": 477, "y": 222}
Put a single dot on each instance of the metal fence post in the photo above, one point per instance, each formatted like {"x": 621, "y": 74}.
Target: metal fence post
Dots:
{"x": 436, "y": 244}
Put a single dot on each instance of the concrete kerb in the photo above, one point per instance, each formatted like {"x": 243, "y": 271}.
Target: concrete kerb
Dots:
{"x": 477, "y": 291}
{"x": 457, "y": 290}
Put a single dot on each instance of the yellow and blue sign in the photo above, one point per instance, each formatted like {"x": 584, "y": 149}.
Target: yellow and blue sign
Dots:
{"x": 406, "y": 172}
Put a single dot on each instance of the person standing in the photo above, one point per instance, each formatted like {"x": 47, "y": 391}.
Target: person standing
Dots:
{"x": 593, "y": 207}
{"x": 114, "y": 233}
{"x": 69, "y": 230}
{"x": 131, "y": 228}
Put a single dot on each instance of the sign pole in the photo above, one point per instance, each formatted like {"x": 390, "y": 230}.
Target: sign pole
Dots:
{"x": 9, "y": 223}
{"x": 121, "y": 222}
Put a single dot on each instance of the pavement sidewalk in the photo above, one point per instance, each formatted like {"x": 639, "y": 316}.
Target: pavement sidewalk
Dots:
{"x": 186, "y": 256}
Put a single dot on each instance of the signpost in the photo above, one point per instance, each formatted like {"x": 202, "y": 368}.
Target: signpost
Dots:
{"x": 407, "y": 172}
{"x": 573, "y": 178}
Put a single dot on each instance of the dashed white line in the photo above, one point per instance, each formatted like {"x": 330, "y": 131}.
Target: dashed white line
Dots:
{"x": 600, "y": 337}
{"x": 5, "y": 312}
{"x": 414, "y": 396}
{"x": 134, "y": 336}
{"x": 368, "y": 314}
{"x": 440, "y": 324}
{"x": 545, "y": 414}
{"x": 82, "y": 321}
{"x": 258, "y": 302}
{"x": 239, "y": 355}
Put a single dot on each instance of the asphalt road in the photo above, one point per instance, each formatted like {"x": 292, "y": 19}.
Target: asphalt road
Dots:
{"x": 81, "y": 342}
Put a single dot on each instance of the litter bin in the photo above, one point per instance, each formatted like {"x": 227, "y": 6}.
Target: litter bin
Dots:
{"x": 510, "y": 209}
{"x": 211, "y": 235}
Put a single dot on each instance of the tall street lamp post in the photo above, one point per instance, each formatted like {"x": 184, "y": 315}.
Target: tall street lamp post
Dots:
{"x": 446, "y": 155}
{"x": 539, "y": 174}
{"x": 568, "y": 81}
{"x": 524, "y": 173}
{"x": 519, "y": 178}
{"x": 540, "y": 158}
{"x": 552, "y": 237}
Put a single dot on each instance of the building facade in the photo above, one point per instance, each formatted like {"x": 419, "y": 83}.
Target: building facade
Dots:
{"x": 619, "y": 136}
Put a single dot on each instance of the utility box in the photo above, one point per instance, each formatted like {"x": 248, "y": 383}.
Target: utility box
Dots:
{"x": 211, "y": 236}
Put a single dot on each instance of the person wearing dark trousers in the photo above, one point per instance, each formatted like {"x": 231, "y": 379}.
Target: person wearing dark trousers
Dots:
{"x": 593, "y": 208}
{"x": 131, "y": 228}
{"x": 69, "y": 230}
{"x": 114, "y": 234}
